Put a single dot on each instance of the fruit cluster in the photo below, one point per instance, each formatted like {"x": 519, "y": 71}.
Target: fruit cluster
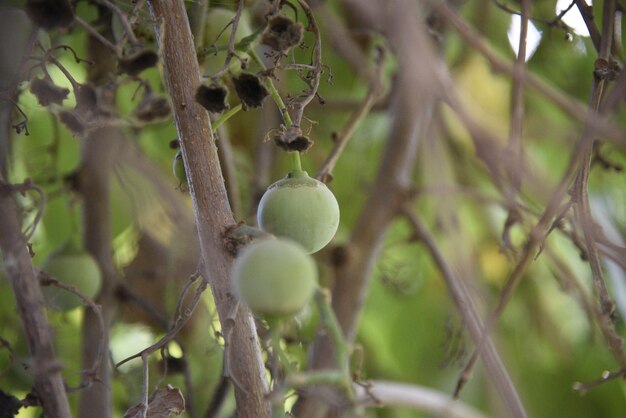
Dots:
{"x": 277, "y": 277}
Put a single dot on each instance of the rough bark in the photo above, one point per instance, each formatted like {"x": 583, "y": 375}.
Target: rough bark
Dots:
{"x": 30, "y": 305}
{"x": 210, "y": 203}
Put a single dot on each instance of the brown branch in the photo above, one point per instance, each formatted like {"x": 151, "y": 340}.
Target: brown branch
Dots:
{"x": 517, "y": 108}
{"x": 567, "y": 103}
{"x": 586, "y": 11}
{"x": 211, "y": 207}
{"x": 23, "y": 279}
{"x": 464, "y": 304}
{"x": 99, "y": 152}
{"x": 325, "y": 173}
{"x": 581, "y": 196}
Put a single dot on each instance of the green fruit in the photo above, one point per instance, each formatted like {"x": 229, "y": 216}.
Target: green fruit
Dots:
{"x": 274, "y": 277}
{"x": 178, "y": 167}
{"x": 72, "y": 267}
{"x": 300, "y": 208}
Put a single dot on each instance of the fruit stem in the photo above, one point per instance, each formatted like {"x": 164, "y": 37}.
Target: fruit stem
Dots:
{"x": 272, "y": 89}
{"x": 342, "y": 349}
{"x": 281, "y": 358}
{"x": 296, "y": 164}
{"x": 222, "y": 119}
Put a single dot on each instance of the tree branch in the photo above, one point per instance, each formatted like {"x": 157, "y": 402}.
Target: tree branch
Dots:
{"x": 381, "y": 393}
{"x": 211, "y": 207}
{"x": 25, "y": 285}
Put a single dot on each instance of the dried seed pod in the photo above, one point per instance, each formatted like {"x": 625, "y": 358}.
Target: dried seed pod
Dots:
{"x": 50, "y": 14}
{"x": 250, "y": 90}
{"x": 300, "y": 143}
{"x": 47, "y": 92}
{"x": 212, "y": 98}
{"x": 282, "y": 33}
{"x": 135, "y": 63}
{"x": 293, "y": 140}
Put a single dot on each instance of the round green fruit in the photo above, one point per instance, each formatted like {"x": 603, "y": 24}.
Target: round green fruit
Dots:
{"x": 72, "y": 267}
{"x": 300, "y": 208}
{"x": 178, "y": 167}
{"x": 274, "y": 277}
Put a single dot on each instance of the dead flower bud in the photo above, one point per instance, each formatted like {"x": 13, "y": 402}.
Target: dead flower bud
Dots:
{"x": 152, "y": 108}
{"x": 293, "y": 140}
{"x": 47, "y": 92}
{"x": 50, "y": 14}
{"x": 212, "y": 98}
{"x": 282, "y": 33}
{"x": 250, "y": 90}
{"x": 73, "y": 123}
{"x": 135, "y": 63}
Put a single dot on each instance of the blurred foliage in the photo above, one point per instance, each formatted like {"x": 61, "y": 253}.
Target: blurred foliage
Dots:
{"x": 409, "y": 331}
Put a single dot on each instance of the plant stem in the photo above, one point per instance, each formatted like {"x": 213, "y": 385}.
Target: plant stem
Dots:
{"x": 224, "y": 118}
{"x": 272, "y": 90}
{"x": 296, "y": 164}
{"x": 342, "y": 349}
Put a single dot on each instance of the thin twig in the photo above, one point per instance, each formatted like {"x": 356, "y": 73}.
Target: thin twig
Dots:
{"x": 341, "y": 139}
{"x": 316, "y": 74}
{"x": 517, "y": 108}
{"x": 181, "y": 318}
{"x": 230, "y": 52}
{"x": 607, "y": 376}
{"x": 581, "y": 196}
{"x": 562, "y": 100}
{"x": 91, "y": 374}
{"x": 466, "y": 307}
{"x": 128, "y": 30}
{"x": 104, "y": 41}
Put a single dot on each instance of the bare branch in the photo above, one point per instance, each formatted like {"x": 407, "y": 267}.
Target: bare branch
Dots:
{"x": 379, "y": 393}
{"x": 25, "y": 285}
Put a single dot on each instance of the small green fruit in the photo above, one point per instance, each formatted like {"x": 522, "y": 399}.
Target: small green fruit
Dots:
{"x": 274, "y": 277}
{"x": 72, "y": 267}
{"x": 300, "y": 208}
{"x": 178, "y": 167}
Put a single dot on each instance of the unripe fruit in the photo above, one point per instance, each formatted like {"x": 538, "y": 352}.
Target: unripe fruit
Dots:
{"x": 274, "y": 277}
{"x": 300, "y": 208}
{"x": 72, "y": 267}
{"x": 178, "y": 167}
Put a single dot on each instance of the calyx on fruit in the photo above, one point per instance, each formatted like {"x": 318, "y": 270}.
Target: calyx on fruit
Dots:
{"x": 274, "y": 277}
{"x": 72, "y": 266}
{"x": 300, "y": 208}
